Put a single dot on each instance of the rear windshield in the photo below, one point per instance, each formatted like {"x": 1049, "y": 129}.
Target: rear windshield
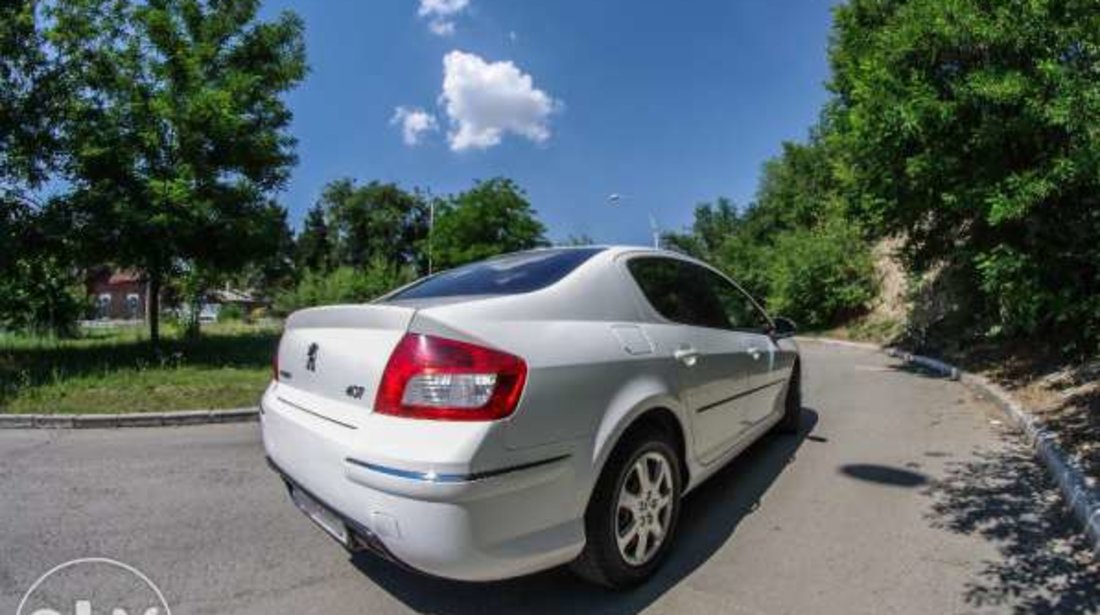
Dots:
{"x": 505, "y": 275}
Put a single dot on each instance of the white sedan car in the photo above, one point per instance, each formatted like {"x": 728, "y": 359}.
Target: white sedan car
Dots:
{"x": 526, "y": 411}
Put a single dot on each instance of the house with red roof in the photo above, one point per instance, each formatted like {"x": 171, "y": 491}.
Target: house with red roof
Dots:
{"x": 118, "y": 294}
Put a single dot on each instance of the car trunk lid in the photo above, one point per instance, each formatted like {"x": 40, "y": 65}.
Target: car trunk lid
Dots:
{"x": 331, "y": 359}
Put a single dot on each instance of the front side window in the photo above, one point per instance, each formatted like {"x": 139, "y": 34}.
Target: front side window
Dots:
{"x": 689, "y": 294}
{"x": 678, "y": 291}
{"x": 741, "y": 313}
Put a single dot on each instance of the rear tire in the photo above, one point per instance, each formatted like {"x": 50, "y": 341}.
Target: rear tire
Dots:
{"x": 792, "y": 405}
{"x": 625, "y": 508}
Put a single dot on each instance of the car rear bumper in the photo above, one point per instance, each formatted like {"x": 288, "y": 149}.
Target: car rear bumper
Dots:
{"x": 360, "y": 537}
{"x": 445, "y": 519}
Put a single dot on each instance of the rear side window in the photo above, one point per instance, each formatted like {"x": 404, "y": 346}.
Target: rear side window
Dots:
{"x": 692, "y": 295}
{"x": 505, "y": 275}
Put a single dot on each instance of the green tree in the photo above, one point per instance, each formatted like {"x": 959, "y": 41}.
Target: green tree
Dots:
{"x": 713, "y": 225}
{"x": 41, "y": 296}
{"x": 797, "y": 247}
{"x": 378, "y": 220}
{"x": 797, "y": 189}
{"x": 357, "y": 243}
{"x": 40, "y": 289}
{"x": 313, "y": 248}
{"x": 970, "y": 128}
{"x": 32, "y": 96}
{"x": 274, "y": 270}
{"x": 577, "y": 240}
{"x": 39, "y": 286}
{"x": 794, "y": 248}
{"x": 177, "y": 130}
{"x": 494, "y": 217}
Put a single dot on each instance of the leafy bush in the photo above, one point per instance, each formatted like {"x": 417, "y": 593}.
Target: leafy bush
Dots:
{"x": 343, "y": 285}
{"x": 746, "y": 261}
{"x": 820, "y": 276}
{"x": 41, "y": 297}
{"x": 230, "y": 312}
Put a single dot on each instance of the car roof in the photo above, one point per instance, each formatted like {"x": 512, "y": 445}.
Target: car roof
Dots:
{"x": 614, "y": 250}
{"x": 610, "y": 252}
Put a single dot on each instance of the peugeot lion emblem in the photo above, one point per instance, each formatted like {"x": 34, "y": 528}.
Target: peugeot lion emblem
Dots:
{"x": 311, "y": 357}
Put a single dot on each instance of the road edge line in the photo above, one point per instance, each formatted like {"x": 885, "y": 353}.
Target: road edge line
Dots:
{"x": 1082, "y": 498}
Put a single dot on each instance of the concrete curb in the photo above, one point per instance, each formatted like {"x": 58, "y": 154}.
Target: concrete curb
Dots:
{"x": 137, "y": 419}
{"x": 1080, "y": 492}
{"x": 950, "y": 371}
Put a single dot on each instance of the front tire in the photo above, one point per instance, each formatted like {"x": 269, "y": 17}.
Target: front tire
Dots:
{"x": 792, "y": 405}
{"x": 632, "y": 516}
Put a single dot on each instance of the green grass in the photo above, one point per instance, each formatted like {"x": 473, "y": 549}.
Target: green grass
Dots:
{"x": 117, "y": 370}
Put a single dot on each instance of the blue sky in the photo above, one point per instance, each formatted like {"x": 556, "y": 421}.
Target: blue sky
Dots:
{"x": 667, "y": 103}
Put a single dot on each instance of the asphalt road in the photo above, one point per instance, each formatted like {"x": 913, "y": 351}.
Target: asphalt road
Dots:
{"x": 903, "y": 494}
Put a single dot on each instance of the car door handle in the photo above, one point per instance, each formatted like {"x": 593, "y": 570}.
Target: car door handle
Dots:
{"x": 686, "y": 355}
{"x": 754, "y": 352}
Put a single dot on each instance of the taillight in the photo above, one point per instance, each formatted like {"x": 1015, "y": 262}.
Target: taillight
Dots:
{"x": 430, "y": 377}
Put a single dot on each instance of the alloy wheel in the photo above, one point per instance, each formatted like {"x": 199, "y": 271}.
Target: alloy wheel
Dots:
{"x": 644, "y": 508}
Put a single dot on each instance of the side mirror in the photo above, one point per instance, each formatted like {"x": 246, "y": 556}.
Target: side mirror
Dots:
{"x": 784, "y": 327}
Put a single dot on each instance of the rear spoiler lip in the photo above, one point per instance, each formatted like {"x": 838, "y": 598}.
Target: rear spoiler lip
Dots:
{"x": 352, "y": 316}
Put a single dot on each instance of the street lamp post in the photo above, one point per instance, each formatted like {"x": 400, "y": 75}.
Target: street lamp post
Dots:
{"x": 614, "y": 198}
{"x": 431, "y": 227}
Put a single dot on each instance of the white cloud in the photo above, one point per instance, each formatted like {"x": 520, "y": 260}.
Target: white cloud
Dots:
{"x": 441, "y": 28}
{"x": 486, "y": 100}
{"x": 442, "y": 8}
{"x": 414, "y": 123}
{"x": 440, "y": 14}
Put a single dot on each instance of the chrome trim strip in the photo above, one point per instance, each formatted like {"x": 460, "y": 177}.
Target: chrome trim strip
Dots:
{"x": 432, "y": 477}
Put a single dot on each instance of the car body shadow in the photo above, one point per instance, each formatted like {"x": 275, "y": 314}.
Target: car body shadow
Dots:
{"x": 884, "y": 475}
{"x": 710, "y": 515}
